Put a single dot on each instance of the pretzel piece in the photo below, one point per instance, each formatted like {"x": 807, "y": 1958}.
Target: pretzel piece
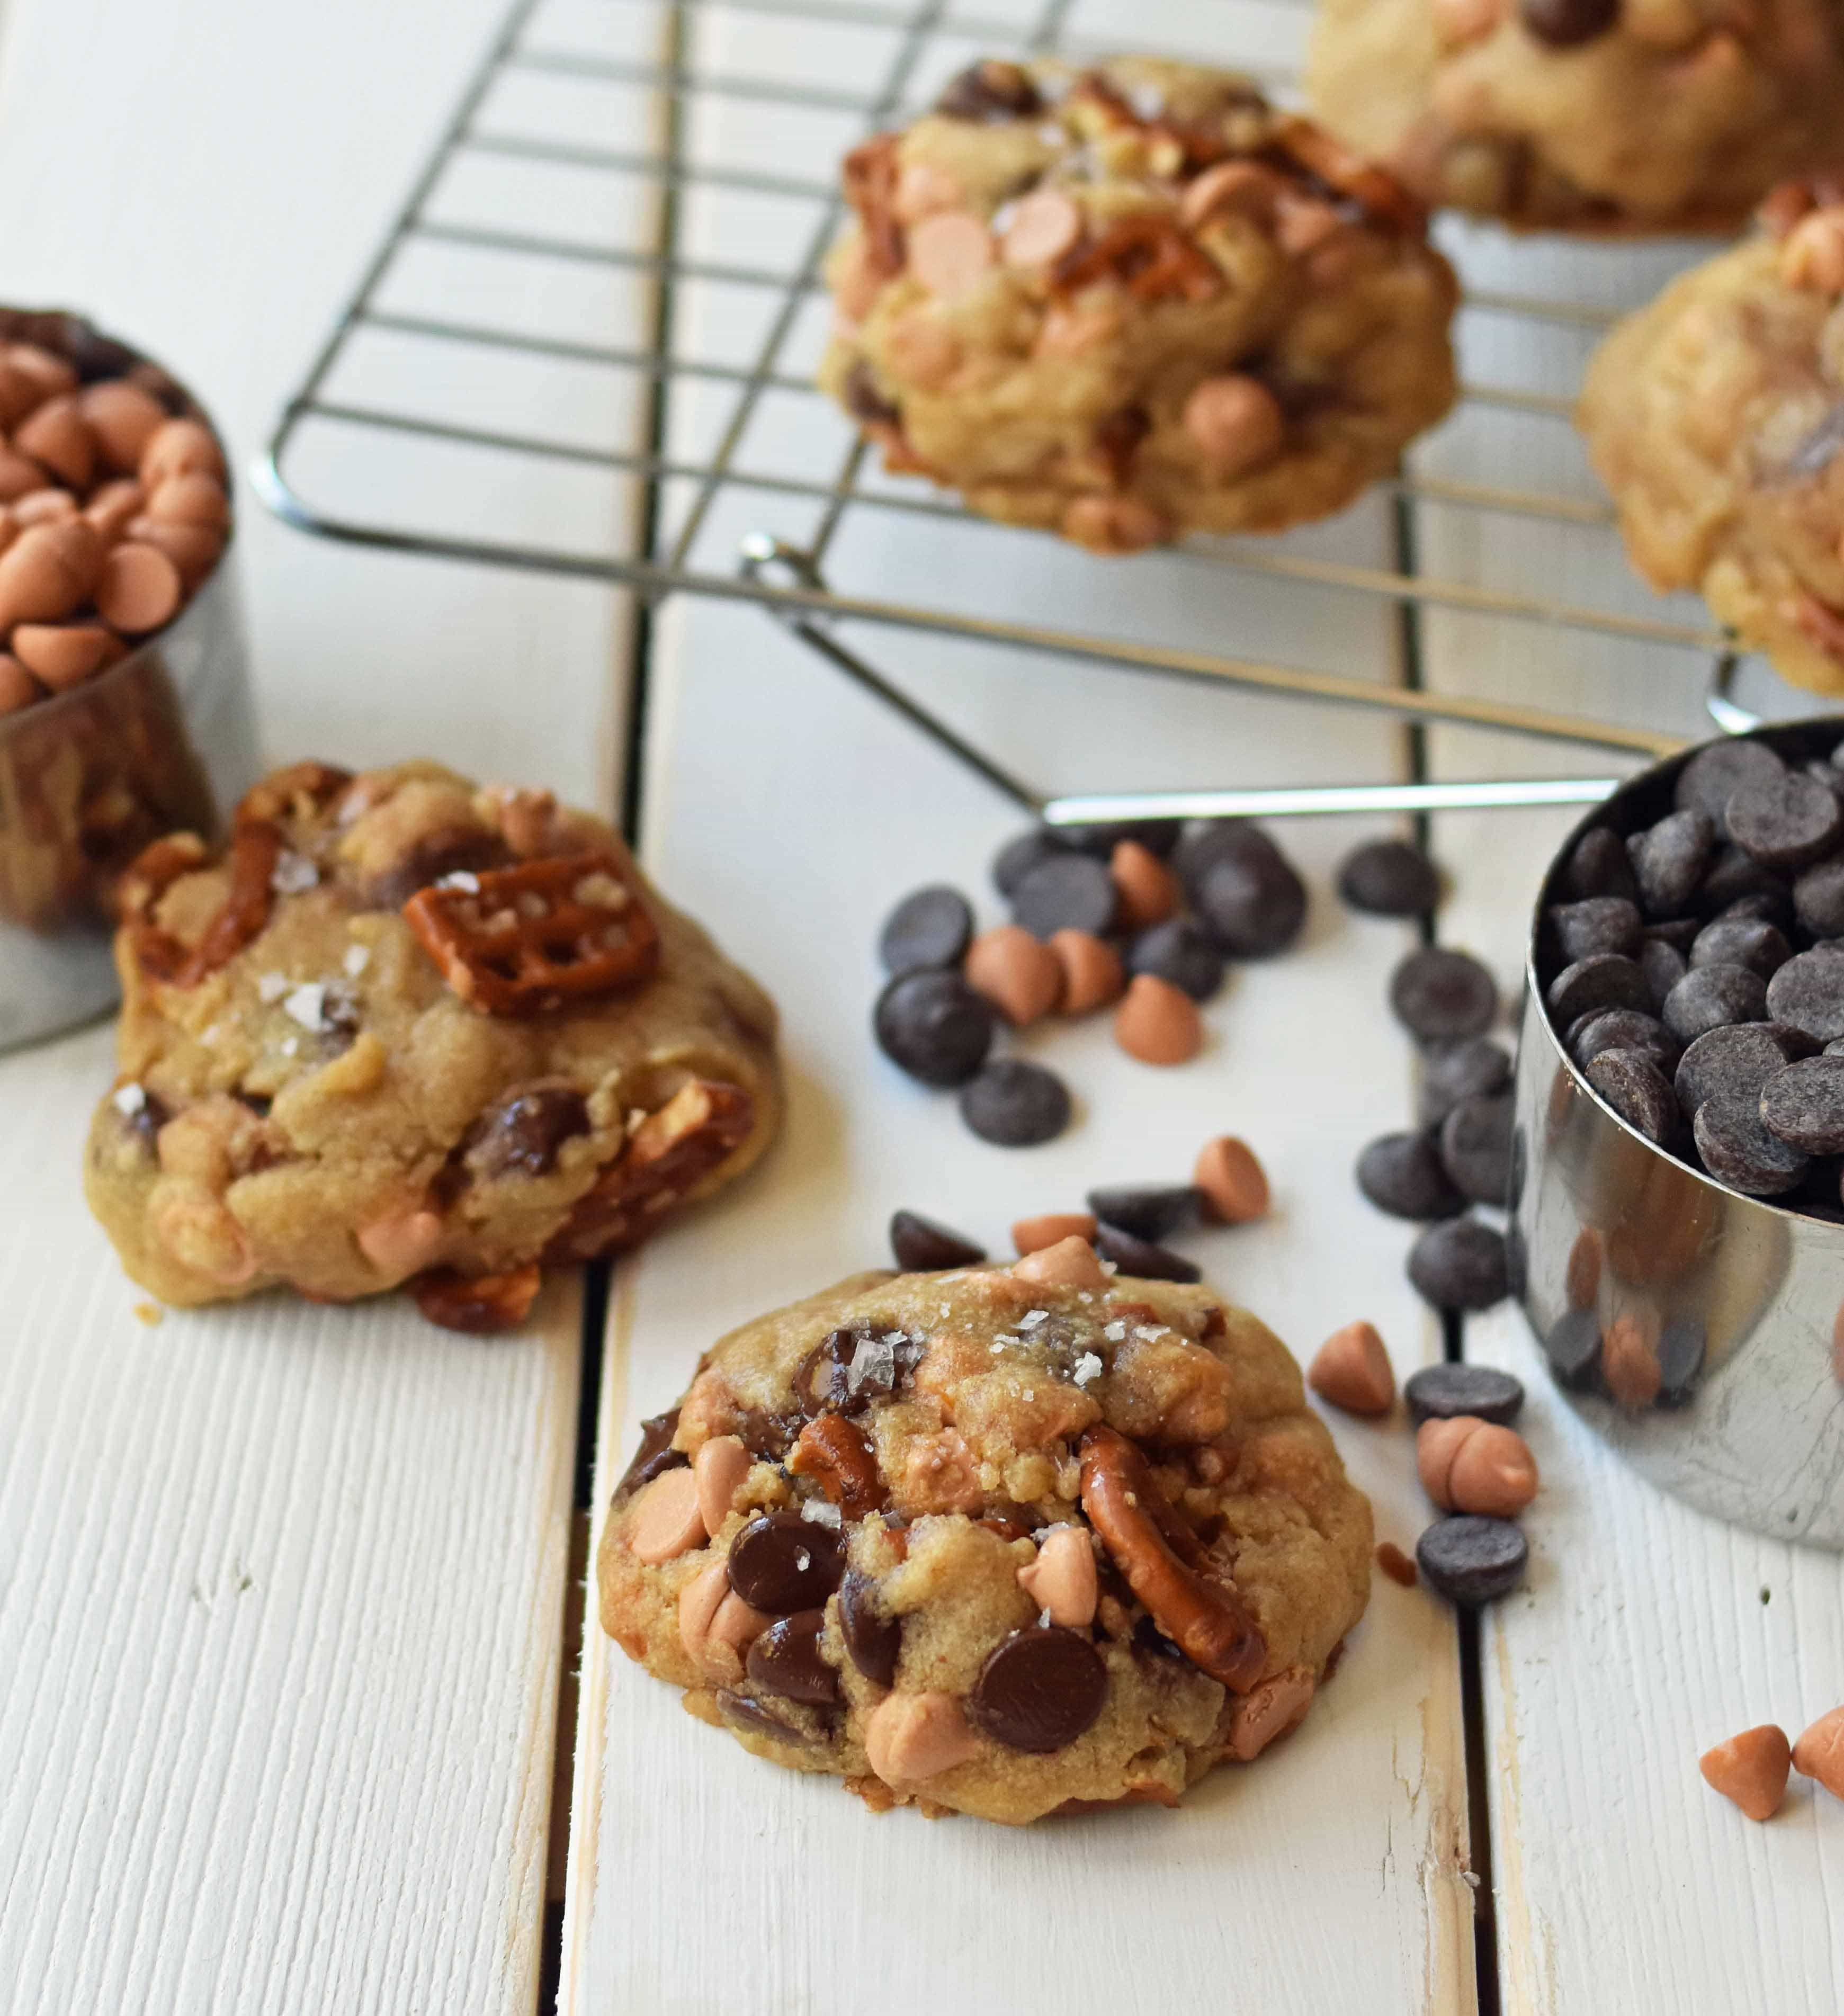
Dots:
{"x": 306, "y": 788}
{"x": 256, "y": 847}
{"x": 515, "y": 941}
{"x": 870, "y": 175}
{"x": 834, "y": 1453}
{"x": 1374, "y": 190}
{"x": 1147, "y": 254}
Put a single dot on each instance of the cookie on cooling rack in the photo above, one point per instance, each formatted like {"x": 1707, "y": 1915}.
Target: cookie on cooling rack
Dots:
{"x": 1716, "y": 417}
{"x": 402, "y": 1029}
{"x": 1133, "y": 301}
{"x": 1008, "y": 1541}
{"x": 1600, "y": 115}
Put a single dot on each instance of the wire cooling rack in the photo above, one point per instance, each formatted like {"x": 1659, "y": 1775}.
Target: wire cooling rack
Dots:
{"x": 475, "y": 345}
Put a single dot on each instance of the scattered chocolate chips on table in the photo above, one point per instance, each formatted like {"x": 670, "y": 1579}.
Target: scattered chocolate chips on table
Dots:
{"x": 1391, "y": 878}
{"x": 1461, "y": 1264}
{"x": 1014, "y": 1105}
{"x": 1439, "y": 1392}
{"x": 1443, "y": 996}
{"x": 920, "y": 1246}
{"x": 1472, "y": 1560}
{"x": 1403, "y": 1175}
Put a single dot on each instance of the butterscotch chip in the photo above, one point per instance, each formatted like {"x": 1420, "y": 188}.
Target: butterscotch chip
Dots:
{"x": 1234, "y": 1184}
{"x": 138, "y": 589}
{"x": 1092, "y": 975}
{"x": 62, "y": 654}
{"x": 1351, "y": 1369}
{"x": 122, "y": 420}
{"x": 1751, "y": 1768}
{"x": 1031, "y": 1235}
{"x": 56, "y": 435}
{"x": 18, "y": 688}
{"x": 1819, "y": 1754}
{"x": 1149, "y": 892}
{"x": 1018, "y": 973}
{"x": 1158, "y": 1023}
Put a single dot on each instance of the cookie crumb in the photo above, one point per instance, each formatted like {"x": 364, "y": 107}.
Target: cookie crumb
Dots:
{"x": 150, "y": 1313}
{"x": 1396, "y": 1564}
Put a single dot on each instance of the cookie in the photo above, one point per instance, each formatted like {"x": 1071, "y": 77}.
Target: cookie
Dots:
{"x": 400, "y": 1028}
{"x": 1134, "y": 301}
{"x": 1007, "y": 1541}
{"x": 1716, "y": 418}
{"x": 1594, "y": 115}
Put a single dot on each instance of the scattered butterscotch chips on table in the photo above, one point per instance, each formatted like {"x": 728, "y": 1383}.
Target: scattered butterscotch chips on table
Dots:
{"x": 1032, "y": 1235}
{"x": 1006, "y": 1541}
{"x": 403, "y": 1030}
{"x": 1751, "y": 1770}
{"x": 1157, "y": 1023}
{"x": 1468, "y": 1465}
{"x": 1232, "y": 1183}
{"x": 1131, "y": 301}
{"x": 1819, "y": 1753}
{"x": 1351, "y": 1369}
{"x": 1439, "y": 1392}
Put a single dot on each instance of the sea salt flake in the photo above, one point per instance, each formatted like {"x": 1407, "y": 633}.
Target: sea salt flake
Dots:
{"x": 292, "y": 874}
{"x": 1087, "y": 1367}
{"x": 459, "y": 878}
{"x": 1032, "y": 1318}
{"x": 271, "y": 987}
{"x": 803, "y": 1560}
{"x": 1083, "y": 1295}
{"x": 1151, "y": 1333}
{"x": 1116, "y": 1332}
{"x": 1030, "y": 1392}
{"x": 1111, "y": 1267}
{"x": 130, "y": 1099}
{"x": 820, "y": 1512}
{"x": 291, "y": 1046}
{"x": 357, "y": 959}
{"x": 874, "y": 1364}
{"x": 307, "y": 1004}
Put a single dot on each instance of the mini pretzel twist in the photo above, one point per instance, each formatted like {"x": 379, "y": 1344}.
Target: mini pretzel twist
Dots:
{"x": 303, "y": 788}
{"x": 833, "y": 1452}
{"x": 1148, "y": 253}
{"x": 516, "y": 940}
{"x": 256, "y": 847}
{"x": 1374, "y": 190}
{"x": 1164, "y": 1565}
{"x": 871, "y": 174}
{"x": 481, "y": 1305}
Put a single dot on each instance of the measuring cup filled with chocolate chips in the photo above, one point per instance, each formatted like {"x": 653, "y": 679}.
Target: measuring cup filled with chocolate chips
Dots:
{"x": 124, "y": 707}
{"x": 1678, "y": 1177}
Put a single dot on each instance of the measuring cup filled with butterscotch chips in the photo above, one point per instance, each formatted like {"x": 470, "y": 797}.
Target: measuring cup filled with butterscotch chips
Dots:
{"x": 125, "y": 706}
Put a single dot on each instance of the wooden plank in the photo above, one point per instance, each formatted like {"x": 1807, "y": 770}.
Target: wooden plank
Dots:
{"x": 1646, "y": 1631}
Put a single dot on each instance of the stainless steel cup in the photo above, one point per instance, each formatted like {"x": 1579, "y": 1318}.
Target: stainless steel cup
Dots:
{"x": 1699, "y": 1330}
{"x": 163, "y": 741}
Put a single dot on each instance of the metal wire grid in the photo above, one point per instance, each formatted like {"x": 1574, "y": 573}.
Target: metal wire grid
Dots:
{"x": 788, "y": 576}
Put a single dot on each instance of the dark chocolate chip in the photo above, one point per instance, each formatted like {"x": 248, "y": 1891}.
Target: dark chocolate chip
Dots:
{"x": 1597, "y": 924}
{"x": 1141, "y": 1258}
{"x": 1821, "y": 772}
{"x": 990, "y": 92}
{"x": 1472, "y": 1560}
{"x": 1146, "y": 1211}
{"x": 924, "y": 1246}
{"x": 1016, "y": 859}
{"x": 1177, "y": 951}
{"x": 1738, "y": 1149}
{"x": 1735, "y": 877}
{"x": 1573, "y": 1348}
{"x": 1403, "y": 1175}
{"x": 1476, "y": 1147}
{"x": 1440, "y": 997}
{"x": 1473, "y": 1069}
{"x": 1788, "y": 823}
{"x": 1804, "y": 1103}
{"x": 1681, "y": 1345}
{"x": 1600, "y": 867}
{"x": 1460, "y": 1265}
{"x": 1101, "y": 837}
{"x": 1718, "y": 771}
{"x": 1669, "y": 860}
{"x": 1639, "y": 1091}
{"x": 1039, "y": 1690}
{"x": 1389, "y": 878}
{"x": 1603, "y": 980}
{"x": 1738, "y": 1059}
{"x": 522, "y": 1135}
{"x": 1014, "y": 1105}
{"x": 1808, "y": 993}
{"x": 1253, "y": 904}
{"x": 933, "y": 1026}
{"x": 740, "y": 1712}
{"x": 655, "y": 1454}
{"x": 929, "y": 927}
{"x": 785, "y": 1660}
{"x": 1622, "y": 1029}
{"x": 1679, "y": 933}
{"x": 1742, "y": 940}
{"x": 1664, "y": 965}
{"x": 449, "y": 851}
{"x": 1066, "y": 892}
{"x": 872, "y": 1640}
{"x": 1206, "y": 842}
{"x": 781, "y": 1563}
{"x": 1441, "y": 1392}
{"x": 1818, "y": 898}
{"x": 1710, "y": 996}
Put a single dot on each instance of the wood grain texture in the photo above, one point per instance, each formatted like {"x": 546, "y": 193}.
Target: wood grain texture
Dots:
{"x": 1646, "y": 1631}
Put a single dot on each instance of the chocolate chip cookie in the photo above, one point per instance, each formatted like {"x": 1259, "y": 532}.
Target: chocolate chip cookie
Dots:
{"x": 1716, "y": 417}
{"x": 1598, "y": 115}
{"x": 399, "y": 1029}
{"x": 1133, "y": 301}
{"x": 1008, "y": 1541}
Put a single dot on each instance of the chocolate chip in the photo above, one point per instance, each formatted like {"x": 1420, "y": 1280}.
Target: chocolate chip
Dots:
{"x": 740, "y": 1712}
{"x": 1460, "y": 1265}
{"x": 1141, "y": 1258}
{"x": 929, "y": 927}
{"x": 933, "y": 1026}
{"x": 781, "y": 1563}
{"x": 1403, "y": 1175}
{"x": 1254, "y": 904}
{"x": 522, "y": 1136}
{"x": 1818, "y": 898}
{"x": 1681, "y": 1345}
{"x": 1440, "y": 997}
{"x": 1016, "y": 859}
{"x": 1622, "y": 1029}
{"x": 1065, "y": 892}
{"x": 1717, "y": 771}
{"x": 1101, "y": 837}
{"x": 872, "y": 1640}
{"x": 1808, "y": 993}
{"x": 1441, "y": 1392}
{"x": 1789, "y": 822}
{"x": 655, "y": 1454}
{"x": 1476, "y": 1147}
{"x": 1639, "y": 1091}
{"x": 1664, "y": 965}
{"x": 785, "y": 1660}
{"x": 451, "y": 851}
{"x": 1599, "y": 866}
{"x": 1804, "y": 1103}
{"x": 1669, "y": 860}
{"x": 1473, "y": 1069}
{"x": 1735, "y": 877}
{"x": 1204, "y": 843}
{"x": 1603, "y": 980}
{"x": 1389, "y": 878}
{"x": 1014, "y": 1105}
{"x": 1742, "y": 940}
{"x": 1738, "y": 1149}
{"x": 1472, "y": 1560}
{"x": 1679, "y": 933}
{"x": 1177, "y": 951}
{"x": 1039, "y": 1690}
{"x": 1738, "y": 1059}
{"x": 1709, "y": 996}
{"x": 1597, "y": 924}
{"x": 922, "y": 1247}
{"x": 1147, "y": 1212}
{"x": 990, "y": 92}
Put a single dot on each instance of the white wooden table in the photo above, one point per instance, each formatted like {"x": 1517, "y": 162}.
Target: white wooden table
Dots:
{"x": 285, "y": 1592}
